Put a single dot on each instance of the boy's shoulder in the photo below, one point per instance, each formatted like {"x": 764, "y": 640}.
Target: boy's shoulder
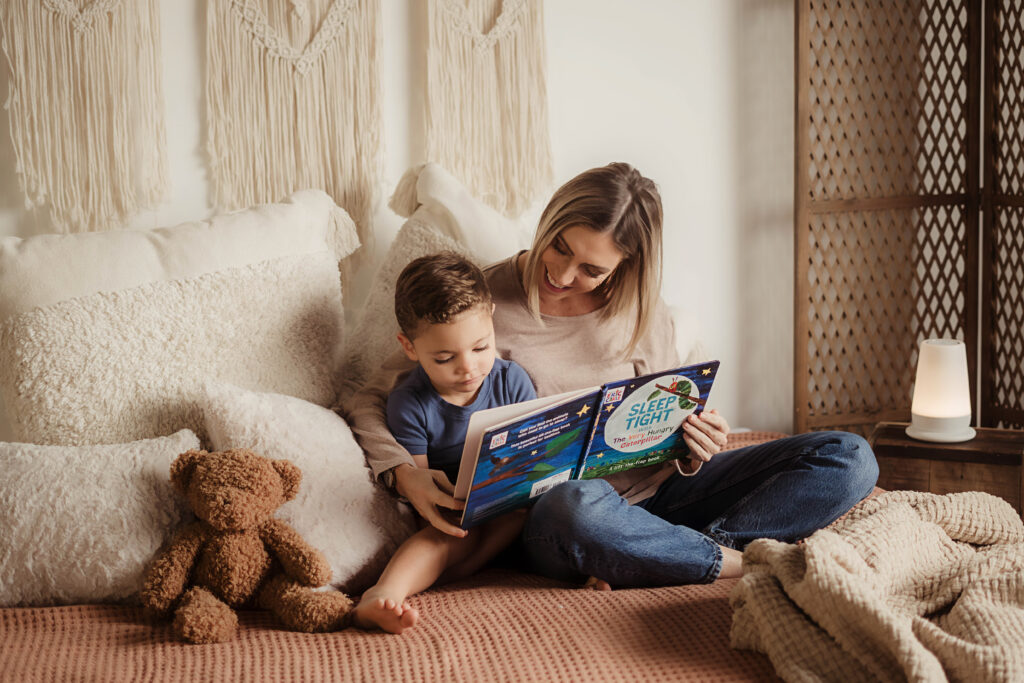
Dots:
{"x": 504, "y": 367}
{"x": 510, "y": 377}
{"x": 416, "y": 384}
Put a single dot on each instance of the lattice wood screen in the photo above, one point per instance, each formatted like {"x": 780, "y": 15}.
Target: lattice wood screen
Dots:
{"x": 1002, "y": 351}
{"x": 887, "y": 197}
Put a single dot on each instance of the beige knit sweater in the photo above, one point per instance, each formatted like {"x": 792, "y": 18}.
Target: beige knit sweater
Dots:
{"x": 909, "y": 586}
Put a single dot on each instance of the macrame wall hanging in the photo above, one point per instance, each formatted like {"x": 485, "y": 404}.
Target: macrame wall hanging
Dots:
{"x": 293, "y": 101}
{"x": 487, "y": 112}
{"x": 86, "y": 108}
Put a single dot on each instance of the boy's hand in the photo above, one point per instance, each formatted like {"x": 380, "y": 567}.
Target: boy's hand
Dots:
{"x": 429, "y": 490}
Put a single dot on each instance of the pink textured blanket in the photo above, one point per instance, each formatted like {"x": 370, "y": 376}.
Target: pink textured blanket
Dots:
{"x": 498, "y": 626}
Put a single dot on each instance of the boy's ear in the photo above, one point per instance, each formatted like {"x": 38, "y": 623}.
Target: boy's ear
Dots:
{"x": 407, "y": 346}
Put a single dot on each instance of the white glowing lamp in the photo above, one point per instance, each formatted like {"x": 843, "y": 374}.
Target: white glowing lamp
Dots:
{"x": 941, "y": 409}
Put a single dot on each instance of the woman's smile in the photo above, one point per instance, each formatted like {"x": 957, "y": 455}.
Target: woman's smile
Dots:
{"x": 548, "y": 280}
{"x": 573, "y": 266}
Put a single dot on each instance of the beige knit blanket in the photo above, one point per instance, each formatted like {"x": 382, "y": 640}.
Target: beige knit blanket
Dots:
{"x": 909, "y": 586}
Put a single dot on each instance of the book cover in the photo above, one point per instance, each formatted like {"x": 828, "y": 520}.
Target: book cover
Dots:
{"x": 515, "y": 453}
{"x": 638, "y": 420}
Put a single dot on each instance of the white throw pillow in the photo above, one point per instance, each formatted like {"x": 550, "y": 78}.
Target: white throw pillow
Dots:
{"x": 117, "y": 366}
{"x": 432, "y": 196}
{"x": 80, "y": 524}
{"x": 339, "y": 510}
{"x": 374, "y": 336}
{"x": 442, "y": 216}
{"x": 47, "y": 269}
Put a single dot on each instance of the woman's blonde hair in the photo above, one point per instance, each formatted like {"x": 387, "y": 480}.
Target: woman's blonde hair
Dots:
{"x": 618, "y": 200}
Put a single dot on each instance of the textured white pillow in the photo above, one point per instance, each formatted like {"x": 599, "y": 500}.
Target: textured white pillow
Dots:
{"x": 80, "y": 524}
{"x": 442, "y": 215}
{"x": 46, "y": 269}
{"x": 117, "y": 366}
{"x": 339, "y": 510}
{"x": 373, "y": 338}
{"x": 432, "y": 196}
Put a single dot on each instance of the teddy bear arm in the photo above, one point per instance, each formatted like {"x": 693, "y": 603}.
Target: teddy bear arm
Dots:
{"x": 299, "y": 559}
{"x": 166, "y": 577}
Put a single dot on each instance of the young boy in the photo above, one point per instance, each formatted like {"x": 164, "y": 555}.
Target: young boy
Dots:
{"x": 444, "y": 311}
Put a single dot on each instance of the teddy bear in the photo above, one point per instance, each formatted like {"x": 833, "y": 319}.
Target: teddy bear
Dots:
{"x": 236, "y": 553}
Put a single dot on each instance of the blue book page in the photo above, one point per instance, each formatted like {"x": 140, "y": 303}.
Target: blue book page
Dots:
{"x": 523, "y": 459}
{"x": 639, "y": 420}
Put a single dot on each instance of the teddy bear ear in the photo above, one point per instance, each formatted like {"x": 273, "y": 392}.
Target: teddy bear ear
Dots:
{"x": 290, "y": 478}
{"x": 183, "y": 467}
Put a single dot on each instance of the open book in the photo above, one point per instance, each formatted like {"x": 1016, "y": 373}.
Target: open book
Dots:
{"x": 516, "y": 452}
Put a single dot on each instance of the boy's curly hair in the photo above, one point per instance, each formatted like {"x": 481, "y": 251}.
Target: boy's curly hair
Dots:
{"x": 436, "y": 288}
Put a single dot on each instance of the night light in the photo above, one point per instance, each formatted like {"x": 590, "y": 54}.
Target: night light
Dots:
{"x": 941, "y": 409}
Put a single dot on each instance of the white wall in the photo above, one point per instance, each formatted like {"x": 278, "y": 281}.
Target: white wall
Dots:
{"x": 698, "y": 95}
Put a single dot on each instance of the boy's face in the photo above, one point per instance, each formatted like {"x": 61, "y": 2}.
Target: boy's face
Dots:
{"x": 456, "y": 356}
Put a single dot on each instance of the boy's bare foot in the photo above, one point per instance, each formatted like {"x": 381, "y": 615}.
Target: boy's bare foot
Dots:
{"x": 597, "y": 584}
{"x": 378, "y": 612}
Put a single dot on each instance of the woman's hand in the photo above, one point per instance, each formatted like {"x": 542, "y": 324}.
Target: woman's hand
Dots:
{"x": 706, "y": 434}
{"x": 429, "y": 490}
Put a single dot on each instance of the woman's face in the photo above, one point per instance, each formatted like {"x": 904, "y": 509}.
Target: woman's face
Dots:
{"x": 577, "y": 261}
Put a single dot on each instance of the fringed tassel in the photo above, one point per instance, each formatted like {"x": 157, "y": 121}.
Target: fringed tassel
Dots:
{"x": 405, "y": 199}
{"x": 86, "y": 108}
{"x": 487, "y": 120}
{"x": 344, "y": 237}
{"x": 283, "y": 118}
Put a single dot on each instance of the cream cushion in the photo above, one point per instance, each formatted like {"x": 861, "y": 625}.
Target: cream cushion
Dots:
{"x": 46, "y": 269}
{"x": 80, "y": 524}
{"x": 373, "y": 337}
{"x": 339, "y": 510}
{"x": 430, "y": 195}
{"x": 105, "y": 337}
{"x": 442, "y": 216}
{"x": 118, "y": 366}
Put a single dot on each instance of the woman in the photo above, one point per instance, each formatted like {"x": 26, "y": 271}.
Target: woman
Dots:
{"x": 581, "y": 308}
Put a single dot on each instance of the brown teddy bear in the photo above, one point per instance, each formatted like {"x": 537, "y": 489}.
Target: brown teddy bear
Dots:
{"x": 237, "y": 553}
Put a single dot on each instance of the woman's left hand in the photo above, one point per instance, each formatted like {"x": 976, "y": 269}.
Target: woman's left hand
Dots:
{"x": 706, "y": 434}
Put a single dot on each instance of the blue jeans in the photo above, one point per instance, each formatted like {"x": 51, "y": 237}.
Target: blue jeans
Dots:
{"x": 784, "y": 489}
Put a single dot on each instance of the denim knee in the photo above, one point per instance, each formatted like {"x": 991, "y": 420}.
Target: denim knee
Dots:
{"x": 854, "y": 455}
{"x": 565, "y": 510}
{"x": 560, "y": 528}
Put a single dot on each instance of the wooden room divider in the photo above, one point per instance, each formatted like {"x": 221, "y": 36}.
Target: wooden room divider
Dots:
{"x": 889, "y": 204}
{"x": 1002, "y": 309}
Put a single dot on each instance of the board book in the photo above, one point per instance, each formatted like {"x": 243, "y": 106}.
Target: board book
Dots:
{"x": 515, "y": 453}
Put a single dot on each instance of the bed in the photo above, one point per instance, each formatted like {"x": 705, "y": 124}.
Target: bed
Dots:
{"x": 500, "y": 625}
{"x": 120, "y": 349}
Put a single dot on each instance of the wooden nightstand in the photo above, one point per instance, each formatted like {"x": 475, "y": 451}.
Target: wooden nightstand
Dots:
{"x": 993, "y": 461}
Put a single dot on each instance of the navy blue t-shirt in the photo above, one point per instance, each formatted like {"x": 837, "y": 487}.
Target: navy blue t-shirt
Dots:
{"x": 423, "y": 422}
